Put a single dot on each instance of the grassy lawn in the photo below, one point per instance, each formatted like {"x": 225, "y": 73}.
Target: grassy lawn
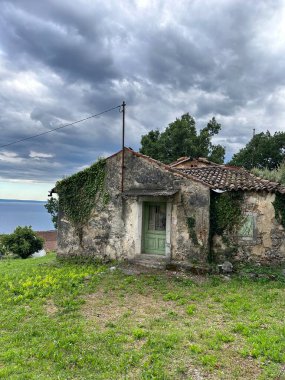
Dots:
{"x": 70, "y": 321}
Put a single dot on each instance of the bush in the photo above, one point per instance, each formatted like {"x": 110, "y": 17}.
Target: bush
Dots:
{"x": 23, "y": 242}
{"x": 275, "y": 175}
{"x": 4, "y": 251}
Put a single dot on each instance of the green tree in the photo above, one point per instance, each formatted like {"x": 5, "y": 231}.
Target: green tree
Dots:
{"x": 181, "y": 138}
{"x": 52, "y": 208}
{"x": 263, "y": 151}
{"x": 23, "y": 242}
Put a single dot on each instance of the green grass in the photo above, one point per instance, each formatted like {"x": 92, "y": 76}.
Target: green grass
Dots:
{"x": 82, "y": 321}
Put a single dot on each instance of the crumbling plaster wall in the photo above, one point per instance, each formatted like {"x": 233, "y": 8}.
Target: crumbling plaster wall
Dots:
{"x": 190, "y": 242}
{"x": 112, "y": 229}
{"x": 267, "y": 246}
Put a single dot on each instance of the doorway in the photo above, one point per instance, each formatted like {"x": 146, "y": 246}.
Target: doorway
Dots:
{"x": 154, "y": 228}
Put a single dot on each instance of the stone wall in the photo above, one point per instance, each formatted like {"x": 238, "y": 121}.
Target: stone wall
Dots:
{"x": 190, "y": 223}
{"x": 113, "y": 230}
{"x": 266, "y": 243}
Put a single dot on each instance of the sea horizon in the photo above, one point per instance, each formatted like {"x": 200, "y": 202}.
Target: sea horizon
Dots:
{"x": 21, "y": 200}
{"x": 21, "y": 212}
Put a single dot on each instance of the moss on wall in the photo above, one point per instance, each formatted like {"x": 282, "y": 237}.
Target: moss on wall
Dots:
{"x": 226, "y": 211}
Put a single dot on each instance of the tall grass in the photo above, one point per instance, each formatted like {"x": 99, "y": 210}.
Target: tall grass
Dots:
{"x": 276, "y": 175}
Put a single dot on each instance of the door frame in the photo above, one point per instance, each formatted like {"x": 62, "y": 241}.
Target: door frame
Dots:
{"x": 139, "y": 235}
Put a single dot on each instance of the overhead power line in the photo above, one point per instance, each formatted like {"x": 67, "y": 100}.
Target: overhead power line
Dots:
{"x": 61, "y": 127}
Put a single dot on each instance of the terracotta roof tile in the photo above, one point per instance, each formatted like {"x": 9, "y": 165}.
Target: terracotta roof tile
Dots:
{"x": 199, "y": 159}
{"x": 232, "y": 178}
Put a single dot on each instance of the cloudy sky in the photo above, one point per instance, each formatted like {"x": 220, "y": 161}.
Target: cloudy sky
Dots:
{"x": 61, "y": 61}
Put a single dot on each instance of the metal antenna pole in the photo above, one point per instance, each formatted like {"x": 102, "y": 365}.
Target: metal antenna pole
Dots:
{"x": 123, "y": 146}
{"x": 253, "y": 149}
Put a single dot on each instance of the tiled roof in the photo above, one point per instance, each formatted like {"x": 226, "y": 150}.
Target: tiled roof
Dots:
{"x": 232, "y": 178}
{"x": 182, "y": 160}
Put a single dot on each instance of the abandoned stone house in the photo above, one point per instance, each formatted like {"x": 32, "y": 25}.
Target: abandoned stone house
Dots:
{"x": 166, "y": 212}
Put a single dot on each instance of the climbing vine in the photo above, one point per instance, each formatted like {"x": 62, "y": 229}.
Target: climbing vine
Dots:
{"x": 226, "y": 211}
{"x": 79, "y": 192}
{"x": 279, "y": 207}
{"x": 225, "y": 215}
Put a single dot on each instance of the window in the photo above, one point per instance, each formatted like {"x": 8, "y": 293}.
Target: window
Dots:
{"x": 157, "y": 217}
{"x": 247, "y": 228}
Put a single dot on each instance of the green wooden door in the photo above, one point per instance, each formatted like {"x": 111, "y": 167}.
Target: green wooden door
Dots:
{"x": 154, "y": 228}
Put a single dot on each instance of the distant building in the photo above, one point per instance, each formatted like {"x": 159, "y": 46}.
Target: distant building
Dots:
{"x": 50, "y": 239}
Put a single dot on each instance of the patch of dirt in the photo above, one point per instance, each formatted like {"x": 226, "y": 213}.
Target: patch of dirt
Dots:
{"x": 109, "y": 308}
{"x": 50, "y": 307}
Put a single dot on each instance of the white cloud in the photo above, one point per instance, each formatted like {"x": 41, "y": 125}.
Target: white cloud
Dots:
{"x": 38, "y": 155}
{"x": 10, "y": 157}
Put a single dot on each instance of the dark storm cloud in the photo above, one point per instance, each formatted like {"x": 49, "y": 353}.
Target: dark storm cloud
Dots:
{"x": 62, "y": 61}
{"x": 57, "y": 45}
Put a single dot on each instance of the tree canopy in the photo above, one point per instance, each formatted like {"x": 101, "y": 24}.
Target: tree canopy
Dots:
{"x": 263, "y": 151}
{"x": 181, "y": 138}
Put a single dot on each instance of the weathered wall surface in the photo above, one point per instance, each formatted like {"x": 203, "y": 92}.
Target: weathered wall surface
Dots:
{"x": 190, "y": 223}
{"x": 267, "y": 244}
{"x": 102, "y": 235}
{"x": 113, "y": 229}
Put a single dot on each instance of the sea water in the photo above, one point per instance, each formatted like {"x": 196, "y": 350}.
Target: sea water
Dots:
{"x": 15, "y": 213}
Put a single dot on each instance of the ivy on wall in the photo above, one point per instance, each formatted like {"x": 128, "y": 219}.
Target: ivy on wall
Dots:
{"x": 79, "y": 192}
{"x": 279, "y": 207}
{"x": 225, "y": 216}
{"x": 226, "y": 211}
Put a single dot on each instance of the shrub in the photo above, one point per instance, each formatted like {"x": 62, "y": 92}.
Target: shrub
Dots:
{"x": 275, "y": 175}
{"x": 4, "y": 251}
{"x": 23, "y": 242}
